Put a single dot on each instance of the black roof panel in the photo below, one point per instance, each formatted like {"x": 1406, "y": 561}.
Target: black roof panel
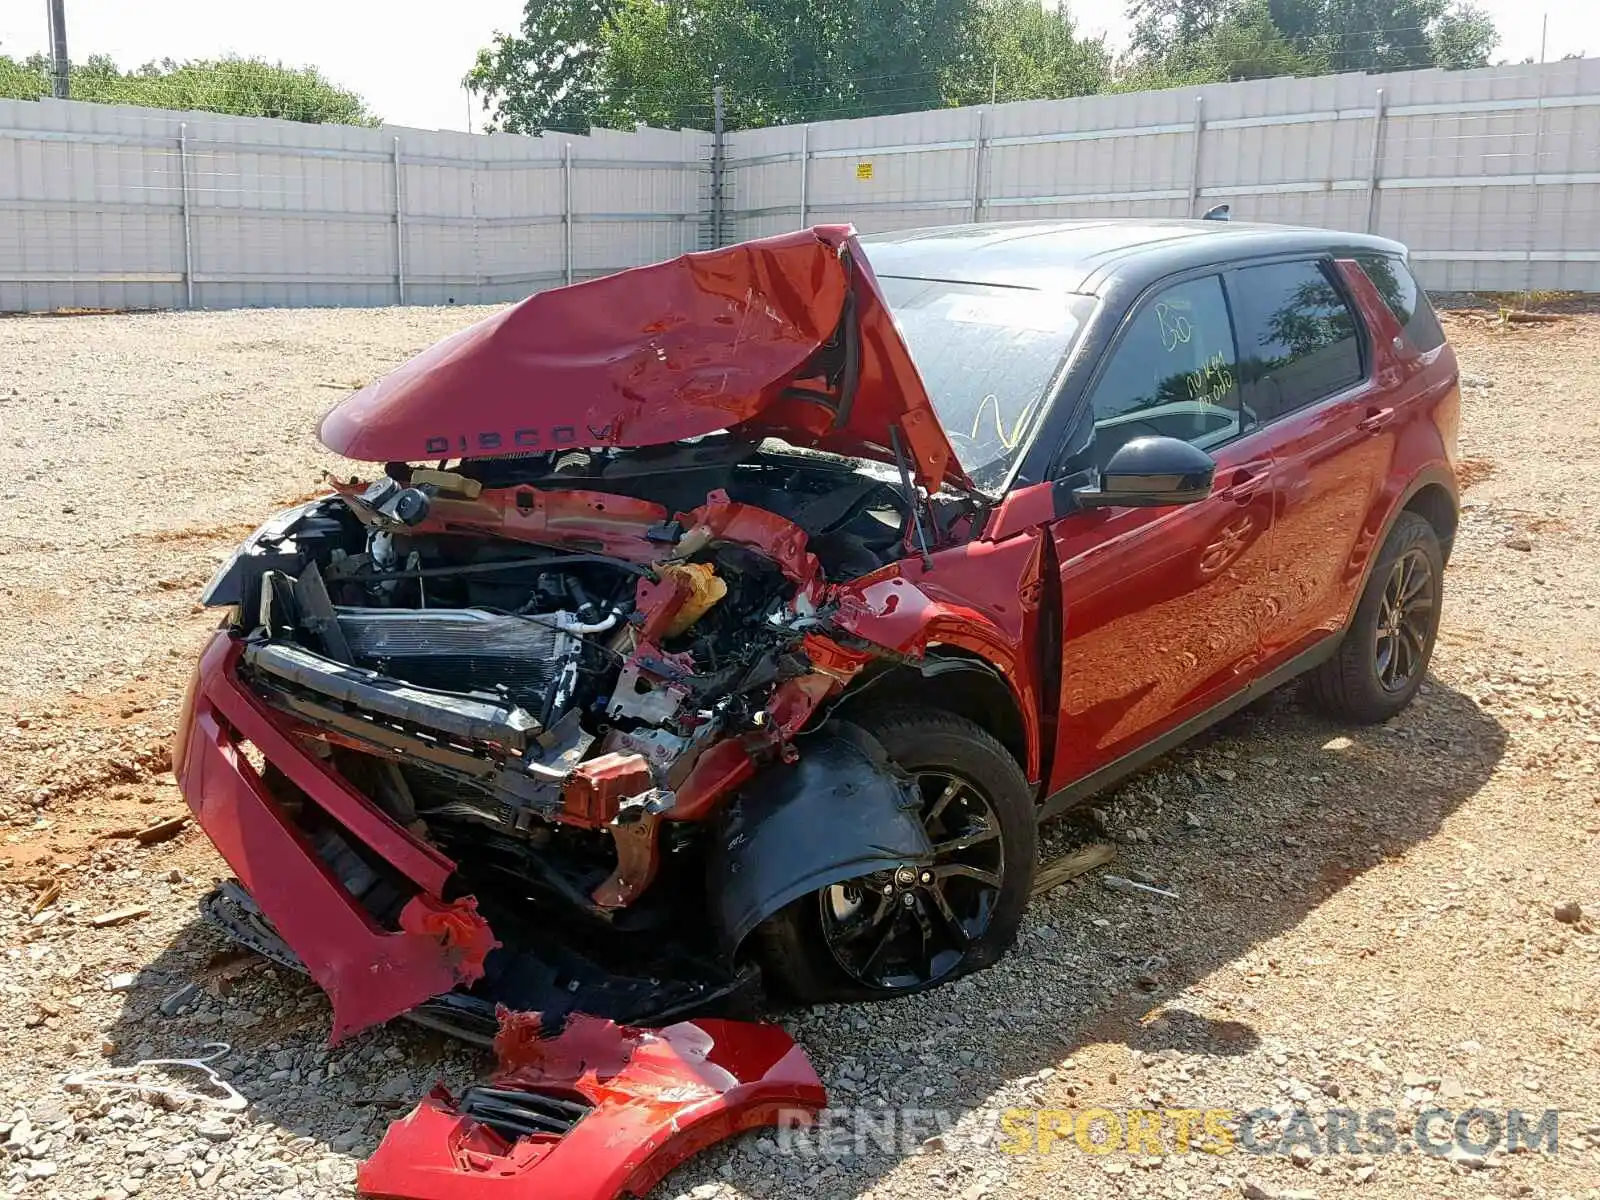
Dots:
{"x": 1081, "y": 255}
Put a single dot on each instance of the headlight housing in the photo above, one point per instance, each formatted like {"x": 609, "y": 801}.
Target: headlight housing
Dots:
{"x": 272, "y": 547}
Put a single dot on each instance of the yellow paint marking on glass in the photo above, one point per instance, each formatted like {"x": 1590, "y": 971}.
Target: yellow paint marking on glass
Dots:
{"x": 1175, "y": 327}
{"x": 1212, "y": 382}
{"x": 991, "y": 403}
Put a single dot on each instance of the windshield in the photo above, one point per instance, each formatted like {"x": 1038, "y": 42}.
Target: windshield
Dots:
{"x": 986, "y": 355}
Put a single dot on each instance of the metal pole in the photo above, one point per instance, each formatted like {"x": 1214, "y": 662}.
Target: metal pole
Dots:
{"x": 566, "y": 206}
{"x": 399, "y": 227}
{"x": 1376, "y": 162}
{"x": 183, "y": 195}
{"x": 1539, "y": 188}
{"x": 1194, "y": 161}
{"x": 977, "y": 167}
{"x": 716, "y": 165}
{"x": 61, "y": 65}
{"x": 805, "y": 172}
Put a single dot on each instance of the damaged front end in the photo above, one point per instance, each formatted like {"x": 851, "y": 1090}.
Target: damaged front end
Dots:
{"x": 549, "y": 728}
{"x": 446, "y": 704}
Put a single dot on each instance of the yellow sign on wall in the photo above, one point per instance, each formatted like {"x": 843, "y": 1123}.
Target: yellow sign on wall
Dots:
{"x": 863, "y": 170}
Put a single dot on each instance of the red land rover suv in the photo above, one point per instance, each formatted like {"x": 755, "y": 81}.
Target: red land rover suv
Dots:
{"x": 737, "y": 618}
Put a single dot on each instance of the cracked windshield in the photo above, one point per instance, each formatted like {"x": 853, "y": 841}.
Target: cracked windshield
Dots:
{"x": 987, "y": 355}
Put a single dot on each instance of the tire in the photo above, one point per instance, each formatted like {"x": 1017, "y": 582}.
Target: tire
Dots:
{"x": 1358, "y": 684}
{"x": 797, "y": 945}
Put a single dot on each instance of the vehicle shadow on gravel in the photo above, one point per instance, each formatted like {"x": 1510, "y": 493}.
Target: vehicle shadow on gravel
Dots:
{"x": 314, "y": 1112}
{"x": 1253, "y": 825}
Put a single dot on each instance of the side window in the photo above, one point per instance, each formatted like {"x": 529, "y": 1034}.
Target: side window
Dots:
{"x": 1405, "y": 299}
{"x": 1297, "y": 337}
{"x": 1172, "y": 373}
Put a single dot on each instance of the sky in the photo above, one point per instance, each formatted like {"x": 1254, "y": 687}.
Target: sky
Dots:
{"x": 407, "y": 58}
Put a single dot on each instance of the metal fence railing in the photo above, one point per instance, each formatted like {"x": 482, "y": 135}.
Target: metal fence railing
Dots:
{"x": 1490, "y": 176}
{"x": 104, "y": 206}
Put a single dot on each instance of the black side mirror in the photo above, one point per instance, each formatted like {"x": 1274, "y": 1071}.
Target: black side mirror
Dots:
{"x": 1151, "y": 472}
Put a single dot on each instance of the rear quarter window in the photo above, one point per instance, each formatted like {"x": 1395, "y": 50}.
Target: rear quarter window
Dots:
{"x": 1405, "y": 298}
{"x": 1298, "y": 338}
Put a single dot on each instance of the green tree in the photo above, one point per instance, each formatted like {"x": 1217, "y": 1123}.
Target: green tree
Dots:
{"x": 778, "y": 61}
{"x": 1462, "y": 37}
{"x": 1387, "y": 35}
{"x": 546, "y": 75}
{"x": 1020, "y": 50}
{"x": 661, "y": 62}
{"x": 1162, "y": 27}
{"x": 1195, "y": 40}
{"x": 1247, "y": 45}
{"x": 25, "y": 80}
{"x": 249, "y": 87}
{"x": 1243, "y": 43}
{"x": 894, "y": 56}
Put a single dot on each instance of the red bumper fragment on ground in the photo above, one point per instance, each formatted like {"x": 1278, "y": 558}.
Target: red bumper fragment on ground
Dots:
{"x": 371, "y": 974}
{"x": 596, "y": 1112}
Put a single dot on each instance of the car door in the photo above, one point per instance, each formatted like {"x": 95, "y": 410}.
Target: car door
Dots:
{"x": 1160, "y": 606}
{"x": 1306, "y": 371}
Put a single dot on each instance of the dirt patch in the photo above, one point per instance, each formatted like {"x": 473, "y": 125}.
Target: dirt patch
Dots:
{"x": 204, "y": 535}
{"x": 1365, "y": 916}
{"x": 1473, "y": 470}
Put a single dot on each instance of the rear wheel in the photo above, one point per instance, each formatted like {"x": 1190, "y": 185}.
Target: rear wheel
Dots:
{"x": 1385, "y": 653}
{"x": 894, "y": 932}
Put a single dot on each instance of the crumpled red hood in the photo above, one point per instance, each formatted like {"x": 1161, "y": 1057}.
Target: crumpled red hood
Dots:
{"x": 724, "y": 339}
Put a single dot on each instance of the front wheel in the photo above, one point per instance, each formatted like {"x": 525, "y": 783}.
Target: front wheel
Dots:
{"x": 1381, "y": 662}
{"x": 901, "y": 931}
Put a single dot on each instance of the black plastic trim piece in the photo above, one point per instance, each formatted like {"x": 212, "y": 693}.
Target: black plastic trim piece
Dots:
{"x": 839, "y": 811}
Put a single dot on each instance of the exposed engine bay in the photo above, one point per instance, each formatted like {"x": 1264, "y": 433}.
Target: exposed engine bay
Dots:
{"x": 554, "y": 669}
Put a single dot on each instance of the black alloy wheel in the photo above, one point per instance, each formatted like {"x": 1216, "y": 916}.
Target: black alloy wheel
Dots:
{"x": 1405, "y": 618}
{"x": 1382, "y": 660}
{"x": 919, "y": 924}
{"x": 910, "y": 927}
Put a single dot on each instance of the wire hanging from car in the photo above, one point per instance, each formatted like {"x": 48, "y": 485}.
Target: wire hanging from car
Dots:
{"x": 911, "y": 495}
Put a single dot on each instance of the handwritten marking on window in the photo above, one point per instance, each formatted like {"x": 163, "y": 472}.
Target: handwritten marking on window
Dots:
{"x": 1211, "y": 382}
{"x": 1175, "y": 328}
{"x": 1009, "y": 441}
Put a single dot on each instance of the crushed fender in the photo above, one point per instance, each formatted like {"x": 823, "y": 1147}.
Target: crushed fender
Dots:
{"x": 595, "y": 1112}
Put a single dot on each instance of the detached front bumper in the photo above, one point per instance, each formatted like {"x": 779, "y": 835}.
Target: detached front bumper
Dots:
{"x": 371, "y": 973}
{"x": 596, "y": 1112}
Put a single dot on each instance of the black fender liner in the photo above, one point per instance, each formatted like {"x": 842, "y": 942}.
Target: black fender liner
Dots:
{"x": 839, "y": 811}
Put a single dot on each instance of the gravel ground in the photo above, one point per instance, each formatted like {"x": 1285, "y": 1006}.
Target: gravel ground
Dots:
{"x": 1366, "y": 918}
